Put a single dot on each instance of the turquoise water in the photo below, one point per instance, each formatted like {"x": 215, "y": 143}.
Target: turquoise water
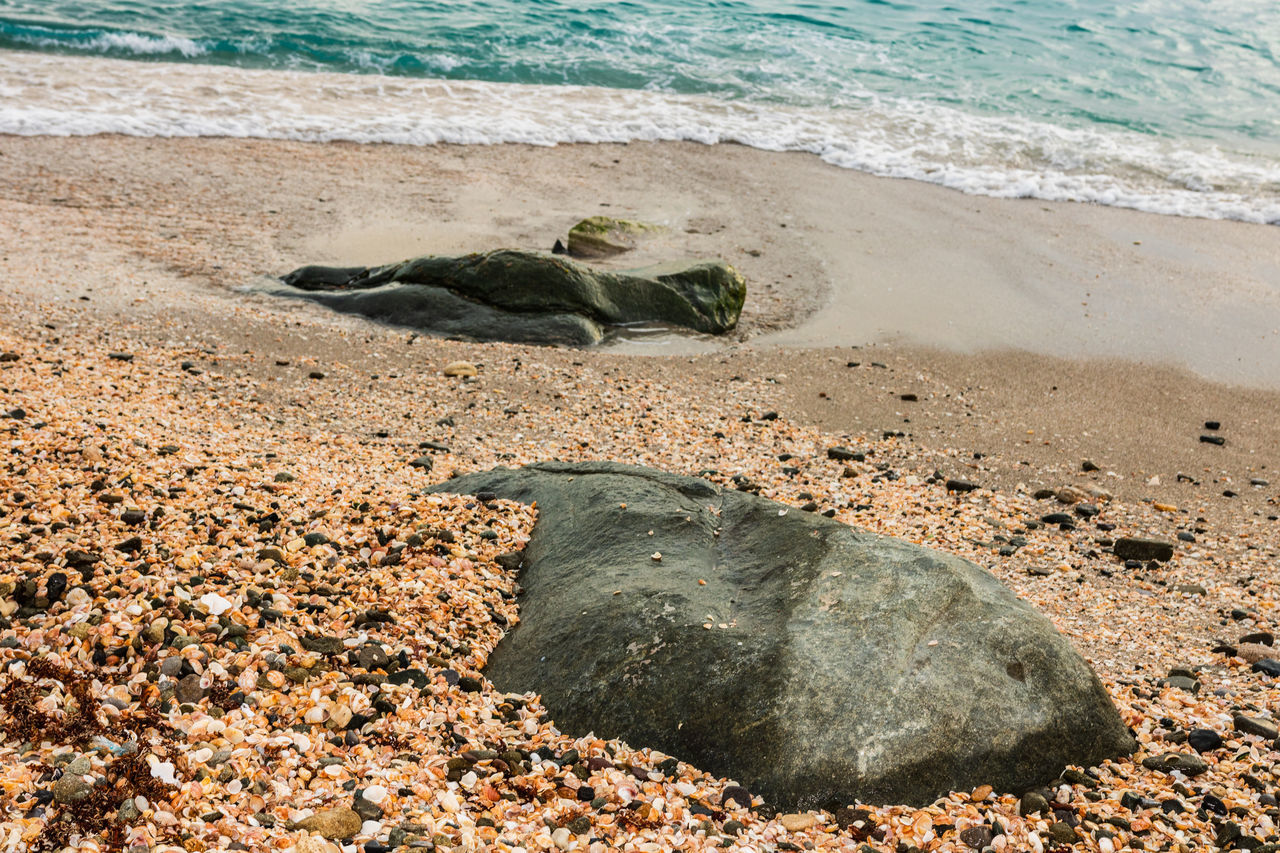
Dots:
{"x": 1166, "y": 105}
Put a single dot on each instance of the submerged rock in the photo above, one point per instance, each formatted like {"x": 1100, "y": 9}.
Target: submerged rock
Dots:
{"x": 527, "y": 297}
{"x": 818, "y": 665}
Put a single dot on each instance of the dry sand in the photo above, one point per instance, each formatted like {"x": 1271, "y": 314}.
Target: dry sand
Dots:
{"x": 152, "y": 247}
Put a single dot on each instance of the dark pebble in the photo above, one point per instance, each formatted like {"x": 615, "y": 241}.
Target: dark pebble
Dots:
{"x": 1268, "y": 666}
{"x": 469, "y": 684}
{"x": 1262, "y": 638}
{"x": 737, "y": 794}
{"x": 1133, "y": 548}
{"x": 1086, "y": 465}
{"x": 1213, "y": 439}
{"x": 423, "y": 462}
{"x": 841, "y": 454}
{"x": 1184, "y": 536}
{"x": 1212, "y": 425}
{"x": 315, "y": 374}
{"x": 961, "y": 486}
{"x": 1057, "y": 518}
{"x": 977, "y": 837}
{"x": 1204, "y": 740}
{"x": 189, "y": 690}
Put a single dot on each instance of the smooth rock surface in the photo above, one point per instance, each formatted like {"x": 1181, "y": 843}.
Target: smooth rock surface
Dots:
{"x": 526, "y": 297}
{"x": 818, "y": 665}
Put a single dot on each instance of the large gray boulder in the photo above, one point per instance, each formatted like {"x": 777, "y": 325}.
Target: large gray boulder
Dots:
{"x": 526, "y": 297}
{"x": 838, "y": 666}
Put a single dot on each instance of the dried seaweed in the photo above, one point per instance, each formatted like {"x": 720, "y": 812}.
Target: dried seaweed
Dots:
{"x": 126, "y": 776}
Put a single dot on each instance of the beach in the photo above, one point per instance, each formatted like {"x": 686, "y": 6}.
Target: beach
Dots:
{"x": 1001, "y": 342}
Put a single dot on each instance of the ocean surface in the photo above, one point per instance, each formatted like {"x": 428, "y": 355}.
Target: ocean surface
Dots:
{"x": 1169, "y": 106}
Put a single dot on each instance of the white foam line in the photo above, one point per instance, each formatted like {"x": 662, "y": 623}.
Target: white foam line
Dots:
{"x": 1002, "y": 157}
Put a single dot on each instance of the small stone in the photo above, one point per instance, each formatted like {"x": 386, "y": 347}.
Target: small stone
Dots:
{"x": 1070, "y": 495}
{"x": 977, "y": 837}
{"x": 1189, "y": 765}
{"x": 128, "y": 812}
{"x": 841, "y": 454}
{"x": 322, "y": 644}
{"x": 1062, "y": 833}
{"x": 1255, "y": 726}
{"x": 1181, "y": 682}
{"x": 580, "y": 825}
{"x": 332, "y": 823}
{"x": 961, "y": 486}
{"x": 71, "y": 788}
{"x": 423, "y": 462}
{"x": 133, "y": 516}
{"x": 460, "y": 368}
{"x": 734, "y": 827}
{"x": 120, "y": 356}
{"x": 1264, "y": 638}
{"x": 1269, "y": 666}
{"x": 372, "y": 657}
{"x": 171, "y": 666}
{"x": 1204, "y": 740}
{"x": 1087, "y": 465}
{"x": 315, "y": 538}
{"x": 1133, "y": 548}
{"x": 737, "y": 794}
{"x": 798, "y": 822}
{"x": 1031, "y": 803}
{"x": 1212, "y": 425}
{"x": 1213, "y": 439}
{"x": 366, "y": 809}
{"x": 8, "y": 356}
{"x": 315, "y": 374}
{"x": 189, "y": 690}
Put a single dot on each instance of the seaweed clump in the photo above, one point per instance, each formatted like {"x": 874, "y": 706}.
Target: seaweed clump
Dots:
{"x": 127, "y": 773}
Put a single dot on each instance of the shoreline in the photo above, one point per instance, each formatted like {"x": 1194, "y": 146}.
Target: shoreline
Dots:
{"x": 120, "y": 270}
{"x": 832, "y": 257}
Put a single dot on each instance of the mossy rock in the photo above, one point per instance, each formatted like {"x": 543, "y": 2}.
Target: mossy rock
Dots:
{"x": 527, "y": 297}
{"x": 604, "y": 236}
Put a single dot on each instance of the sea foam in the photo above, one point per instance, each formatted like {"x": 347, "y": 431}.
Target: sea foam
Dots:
{"x": 893, "y": 137}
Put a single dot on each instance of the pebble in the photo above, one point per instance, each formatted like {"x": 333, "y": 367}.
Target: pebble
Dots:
{"x": 1134, "y": 548}
{"x": 1255, "y": 726}
{"x": 189, "y": 690}
{"x": 1188, "y": 765}
{"x": 71, "y": 788}
{"x": 334, "y": 823}
{"x": 1204, "y": 740}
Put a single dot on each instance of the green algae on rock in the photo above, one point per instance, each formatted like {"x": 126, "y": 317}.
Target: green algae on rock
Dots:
{"x": 602, "y": 236}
